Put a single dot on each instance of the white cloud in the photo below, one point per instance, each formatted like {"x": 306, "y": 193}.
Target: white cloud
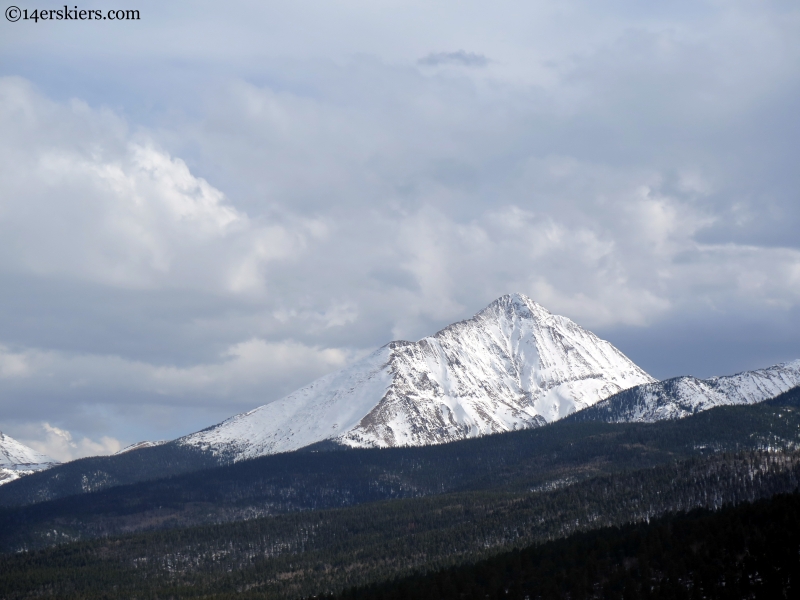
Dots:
{"x": 460, "y": 58}
{"x": 251, "y": 371}
{"x": 249, "y": 367}
{"x": 83, "y": 198}
{"x": 85, "y": 392}
{"x": 202, "y": 236}
{"x": 59, "y": 443}
{"x": 12, "y": 364}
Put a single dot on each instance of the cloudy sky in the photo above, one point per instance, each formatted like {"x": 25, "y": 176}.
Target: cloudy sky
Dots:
{"x": 209, "y": 207}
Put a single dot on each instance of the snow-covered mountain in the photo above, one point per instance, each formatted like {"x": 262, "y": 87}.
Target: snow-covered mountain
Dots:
{"x": 17, "y": 459}
{"x": 683, "y": 396}
{"x": 513, "y": 365}
{"x": 139, "y": 446}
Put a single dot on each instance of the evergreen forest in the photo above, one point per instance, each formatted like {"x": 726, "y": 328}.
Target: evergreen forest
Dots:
{"x": 331, "y": 521}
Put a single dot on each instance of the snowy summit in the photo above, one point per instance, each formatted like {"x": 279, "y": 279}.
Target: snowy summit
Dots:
{"x": 514, "y": 365}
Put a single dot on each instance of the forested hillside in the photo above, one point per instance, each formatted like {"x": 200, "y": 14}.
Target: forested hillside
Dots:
{"x": 503, "y": 451}
{"x": 514, "y": 462}
{"x": 749, "y": 551}
{"x": 101, "y": 472}
{"x": 312, "y": 552}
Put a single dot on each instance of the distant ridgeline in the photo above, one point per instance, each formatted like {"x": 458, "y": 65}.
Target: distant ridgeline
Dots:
{"x": 100, "y": 472}
{"x": 513, "y": 366}
{"x": 305, "y": 523}
{"x": 680, "y": 397}
{"x": 546, "y": 458}
{"x": 670, "y": 399}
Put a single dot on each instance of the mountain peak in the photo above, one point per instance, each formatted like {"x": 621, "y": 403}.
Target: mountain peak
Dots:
{"x": 508, "y": 306}
{"x": 518, "y": 303}
{"x": 513, "y": 365}
{"x": 522, "y": 307}
{"x": 17, "y": 459}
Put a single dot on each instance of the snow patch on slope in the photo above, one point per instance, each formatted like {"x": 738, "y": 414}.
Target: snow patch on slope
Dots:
{"x": 322, "y": 410}
{"x": 139, "y": 446}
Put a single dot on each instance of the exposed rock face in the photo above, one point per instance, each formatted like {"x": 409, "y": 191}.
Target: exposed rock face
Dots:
{"x": 513, "y": 365}
{"x": 683, "y": 396}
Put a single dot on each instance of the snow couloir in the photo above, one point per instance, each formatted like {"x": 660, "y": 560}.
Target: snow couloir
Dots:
{"x": 514, "y": 365}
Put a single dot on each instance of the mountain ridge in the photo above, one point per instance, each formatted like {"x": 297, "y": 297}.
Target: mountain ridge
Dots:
{"x": 513, "y": 365}
{"x": 532, "y": 460}
{"x": 683, "y": 396}
{"x": 529, "y": 363}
